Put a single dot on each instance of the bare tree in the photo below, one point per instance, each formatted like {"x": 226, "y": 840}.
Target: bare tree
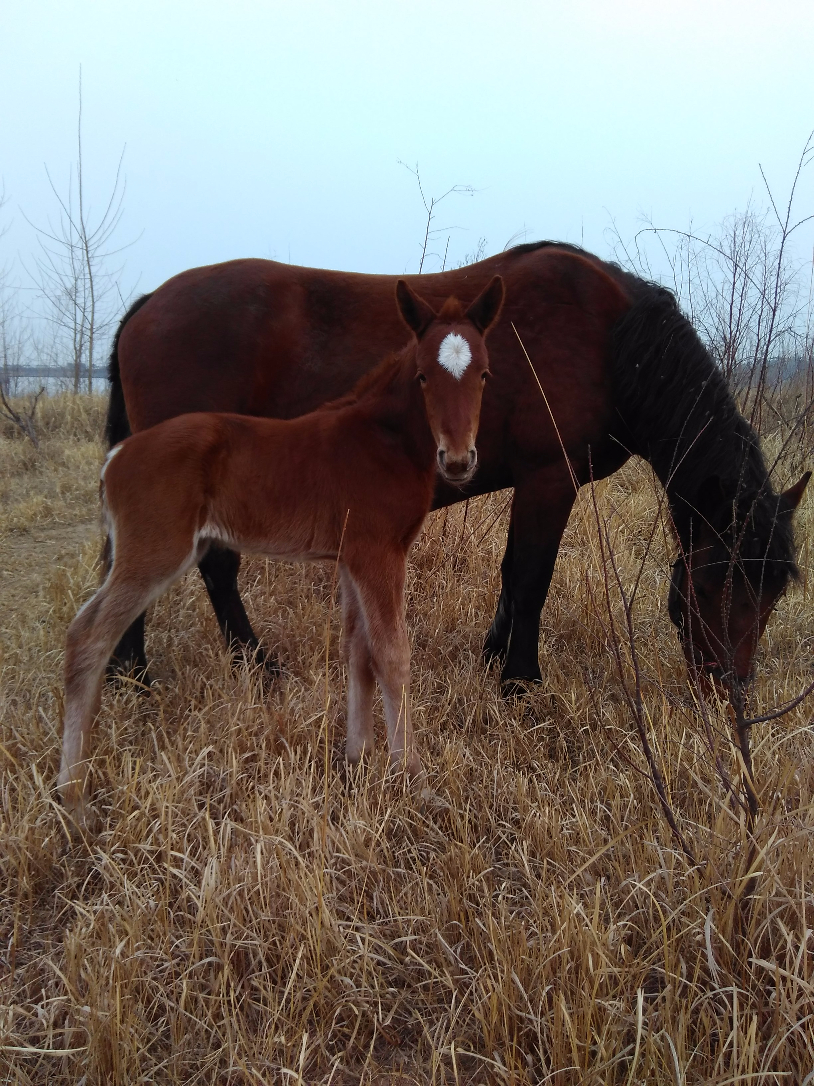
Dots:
{"x": 432, "y": 233}
{"x": 745, "y": 291}
{"x": 72, "y": 269}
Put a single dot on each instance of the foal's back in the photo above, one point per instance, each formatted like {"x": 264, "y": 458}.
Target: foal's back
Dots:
{"x": 285, "y": 489}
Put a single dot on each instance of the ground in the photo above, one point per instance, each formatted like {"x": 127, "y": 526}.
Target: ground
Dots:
{"x": 251, "y": 911}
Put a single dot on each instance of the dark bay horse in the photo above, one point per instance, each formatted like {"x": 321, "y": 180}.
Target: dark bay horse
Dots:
{"x": 622, "y": 372}
{"x": 351, "y": 481}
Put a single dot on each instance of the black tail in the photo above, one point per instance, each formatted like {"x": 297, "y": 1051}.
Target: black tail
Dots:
{"x": 117, "y": 426}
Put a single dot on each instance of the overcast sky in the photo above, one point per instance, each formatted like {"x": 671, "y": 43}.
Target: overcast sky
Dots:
{"x": 276, "y": 129}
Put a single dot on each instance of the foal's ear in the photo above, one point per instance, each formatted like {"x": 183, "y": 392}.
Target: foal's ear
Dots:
{"x": 484, "y": 310}
{"x": 417, "y": 313}
{"x": 790, "y": 499}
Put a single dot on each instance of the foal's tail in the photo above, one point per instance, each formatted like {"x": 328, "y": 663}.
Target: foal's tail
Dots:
{"x": 117, "y": 426}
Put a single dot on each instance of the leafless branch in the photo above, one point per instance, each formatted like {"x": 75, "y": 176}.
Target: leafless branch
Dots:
{"x": 23, "y": 419}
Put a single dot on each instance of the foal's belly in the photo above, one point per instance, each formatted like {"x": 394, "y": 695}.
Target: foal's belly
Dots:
{"x": 277, "y": 549}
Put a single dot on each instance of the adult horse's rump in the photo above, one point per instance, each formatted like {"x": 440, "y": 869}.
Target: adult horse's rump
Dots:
{"x": 623, "y": 372}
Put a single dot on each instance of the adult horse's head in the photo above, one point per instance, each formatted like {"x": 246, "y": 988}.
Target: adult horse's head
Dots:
{"x": 452, "y": 366}
{"x": 724, "y": 586}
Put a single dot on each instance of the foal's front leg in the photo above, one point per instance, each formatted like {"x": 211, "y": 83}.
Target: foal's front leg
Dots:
{"x": 361, "y": 680}
{"x": 379, "y": 582}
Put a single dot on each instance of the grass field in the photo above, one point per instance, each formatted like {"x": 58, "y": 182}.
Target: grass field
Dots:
{"x": 250, "y": 912}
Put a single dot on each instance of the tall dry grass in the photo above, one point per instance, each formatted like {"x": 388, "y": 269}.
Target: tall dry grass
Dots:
{"x": 253, "y": 913}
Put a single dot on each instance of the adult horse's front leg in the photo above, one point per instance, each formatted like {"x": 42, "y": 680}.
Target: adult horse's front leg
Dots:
{"x": 219, "y": 568}
{"x": 540, "y": 513}
{"x": 496, "y": 644}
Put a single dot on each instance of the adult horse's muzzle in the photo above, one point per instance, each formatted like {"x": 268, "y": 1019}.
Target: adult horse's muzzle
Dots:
{"x": 701, "y": 659}
{"x": 457, "y": 469}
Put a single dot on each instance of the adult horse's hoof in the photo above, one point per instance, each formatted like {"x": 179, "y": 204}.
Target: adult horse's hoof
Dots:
{"x": 133, "y": 674}
{"x": 494, "y": 650}
{"x": 256, "y": 656}
{"x": 272, "y": 668}
{"x": 518, "y": 686}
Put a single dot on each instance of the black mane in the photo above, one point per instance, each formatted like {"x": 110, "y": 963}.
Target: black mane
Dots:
{"x": 678, "y": 412}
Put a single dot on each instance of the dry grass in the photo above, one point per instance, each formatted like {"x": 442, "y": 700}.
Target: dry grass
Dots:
{"x": 251, "y": 913}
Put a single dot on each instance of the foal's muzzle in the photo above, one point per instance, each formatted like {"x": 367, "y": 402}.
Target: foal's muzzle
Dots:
{"x": 455, "y": 469}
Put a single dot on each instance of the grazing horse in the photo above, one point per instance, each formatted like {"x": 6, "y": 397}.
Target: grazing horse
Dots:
{"x": 352, "y": 481}
{"x": 592, "y": 365}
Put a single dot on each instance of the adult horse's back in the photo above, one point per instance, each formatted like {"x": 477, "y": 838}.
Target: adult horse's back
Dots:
{"x": 261, "y": 338}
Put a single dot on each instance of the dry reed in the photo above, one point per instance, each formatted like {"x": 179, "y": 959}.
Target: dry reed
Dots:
{"x": 253, "y": 913}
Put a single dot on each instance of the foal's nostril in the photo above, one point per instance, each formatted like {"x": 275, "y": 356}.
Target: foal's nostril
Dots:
{"x": 457, "y": 467}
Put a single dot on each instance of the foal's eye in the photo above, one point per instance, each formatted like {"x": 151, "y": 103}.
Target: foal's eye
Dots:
{"x": 422, "y": 379}
{"x": 484, "y": 375}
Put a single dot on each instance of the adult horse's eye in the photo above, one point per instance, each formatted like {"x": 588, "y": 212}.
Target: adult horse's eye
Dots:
{"x": 484, "y": 375}
{"x": 422, "y": 378}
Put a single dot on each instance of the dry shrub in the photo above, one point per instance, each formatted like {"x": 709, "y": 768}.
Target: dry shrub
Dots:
{"x": 253, "y": 912}
{"x": 59, "y": 482}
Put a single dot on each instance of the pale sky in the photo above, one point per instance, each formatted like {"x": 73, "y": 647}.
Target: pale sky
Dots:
{"x": 276, "y": 129}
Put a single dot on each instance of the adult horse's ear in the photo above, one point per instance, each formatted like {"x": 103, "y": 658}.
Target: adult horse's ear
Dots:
{"x": 417, "y": 313}
{"x": 484, "y": 310}
{"x": 790, "y": 499}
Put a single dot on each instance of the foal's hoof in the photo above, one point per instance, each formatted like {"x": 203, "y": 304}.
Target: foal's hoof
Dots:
{"x": 80, "y": 821}
{"x": 410, "y": 770}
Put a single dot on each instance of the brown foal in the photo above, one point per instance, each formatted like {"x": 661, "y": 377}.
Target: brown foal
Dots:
{"x": 351, "y": 481}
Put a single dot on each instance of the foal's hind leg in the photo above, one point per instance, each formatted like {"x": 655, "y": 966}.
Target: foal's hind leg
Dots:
{"x": 361, "y": 679}
{"x": 91, "y": 638}
{"x": 219, "y": 567}
{"x": 379, "y": 581}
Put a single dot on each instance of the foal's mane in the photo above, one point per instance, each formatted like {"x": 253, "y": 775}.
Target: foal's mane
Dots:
{"x": 382, "y": 375}
{"x": 375, "y": 380}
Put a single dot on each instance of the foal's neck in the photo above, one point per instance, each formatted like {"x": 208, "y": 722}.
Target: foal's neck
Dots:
{"x": 390, "y": 396}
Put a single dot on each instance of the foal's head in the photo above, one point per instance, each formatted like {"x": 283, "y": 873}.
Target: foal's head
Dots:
{"x": 452, "y": 366}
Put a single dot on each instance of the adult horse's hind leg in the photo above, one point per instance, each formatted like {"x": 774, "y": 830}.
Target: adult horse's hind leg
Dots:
{"x": 128, "y": 657}
{"x": 219, "y": 568}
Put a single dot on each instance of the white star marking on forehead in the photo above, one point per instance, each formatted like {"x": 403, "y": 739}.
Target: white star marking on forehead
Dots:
{"x": 454, "y": 354}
